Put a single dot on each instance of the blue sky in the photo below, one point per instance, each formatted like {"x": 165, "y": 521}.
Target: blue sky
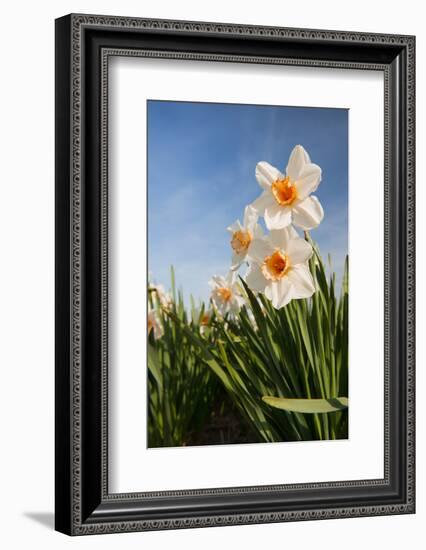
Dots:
{"x": 201, "y": 175}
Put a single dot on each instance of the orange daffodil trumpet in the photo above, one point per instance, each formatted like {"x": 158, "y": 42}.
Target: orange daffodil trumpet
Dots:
{"x": 226, "y": 294}
{"x": 242, "y": 236}
{"x": 279, "y": 267}
{"x": 286, "y": 198}
{"x": 202, "y": 317}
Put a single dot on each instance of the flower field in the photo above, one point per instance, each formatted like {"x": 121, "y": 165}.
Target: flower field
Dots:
{"x": 266, "y": 359}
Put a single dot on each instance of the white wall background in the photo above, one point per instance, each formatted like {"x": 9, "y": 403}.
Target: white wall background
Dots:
{"x": 26, "y": 286}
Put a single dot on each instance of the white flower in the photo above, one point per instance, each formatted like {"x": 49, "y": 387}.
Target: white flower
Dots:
{"x": 243, "y": 235}
{"x": 286, "y": 198}
{"x": 154, "y": 324}
{"x": 279, "y": 268}
{"x": 164, "y": 298}
{"x": 226, "y": 294}
{"x": 202, "y": 317}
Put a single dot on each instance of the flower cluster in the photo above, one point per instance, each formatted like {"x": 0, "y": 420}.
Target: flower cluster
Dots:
{"x": 277, "y": 261}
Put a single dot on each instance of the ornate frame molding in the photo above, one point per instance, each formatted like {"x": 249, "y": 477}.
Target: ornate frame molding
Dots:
{"x": 79, "y": 498}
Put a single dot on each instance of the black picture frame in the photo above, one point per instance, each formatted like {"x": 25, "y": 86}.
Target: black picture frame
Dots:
{"x": 83, "y": 46}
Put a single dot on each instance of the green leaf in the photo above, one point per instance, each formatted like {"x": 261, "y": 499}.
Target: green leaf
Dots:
{"x": 154, "y": 366}
{"x": 308, "y": 405}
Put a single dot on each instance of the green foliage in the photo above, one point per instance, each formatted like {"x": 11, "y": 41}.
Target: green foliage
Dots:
{"x": 285, "y": 370}
{"x": 181, "y": 387}
{"x": 297, "y": 352}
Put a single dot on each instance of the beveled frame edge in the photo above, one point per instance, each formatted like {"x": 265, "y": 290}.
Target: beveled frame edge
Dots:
{"x": 69, "y": 224}
{"x": 107, "y": 53}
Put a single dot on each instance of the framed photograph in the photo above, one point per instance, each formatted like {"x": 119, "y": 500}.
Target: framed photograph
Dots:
{"x": 234, "y": 274}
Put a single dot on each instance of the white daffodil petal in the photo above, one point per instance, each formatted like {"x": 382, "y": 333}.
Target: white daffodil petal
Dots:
{"x": 308, "y": 180}
{"x": 234, "y": 307}
{"x": 266, "y": 174}
{"x": 277, "y": 217}
{"x": 255, "y": 279}
{"x": 261, "y": 203}
{"x": 236, "y": 226}
{"x": 217, "y": 281}
{"x": 302, "y": 281}
{"x": 281, "y": 237}
{"x": 237, "y": 260}
{"x": 308, "y": 214}
{"x": 257, "y": 231}
{"x": 285, "y": 292}
{"x": 298, "y": 251}
{"x": 298, "y": 158}
{"x": 240, "y": 300}
{"x": 250, "y": 217}
{"x": 279, "y": 292}
{"x": 259, "y": 249}
{"x": 270, "y": 291}
{"x": 236, "y": 304}
{"x": 230, "y": 279}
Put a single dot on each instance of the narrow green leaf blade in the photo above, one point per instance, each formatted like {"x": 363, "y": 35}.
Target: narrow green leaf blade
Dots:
{"x": 309, "y": 406}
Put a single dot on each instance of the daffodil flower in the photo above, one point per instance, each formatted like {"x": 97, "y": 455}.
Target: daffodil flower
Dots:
{"x": 279, "y": 268}
{"x": 226, "y": 294}
{"x": 242, "y": 236}
{"x": 205, "y": 322}
{"x": 203, "y": 318}
{"x": 163, "y": 297}
{"x": 154, "y": 324}
{"x": 286, "y": 198}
